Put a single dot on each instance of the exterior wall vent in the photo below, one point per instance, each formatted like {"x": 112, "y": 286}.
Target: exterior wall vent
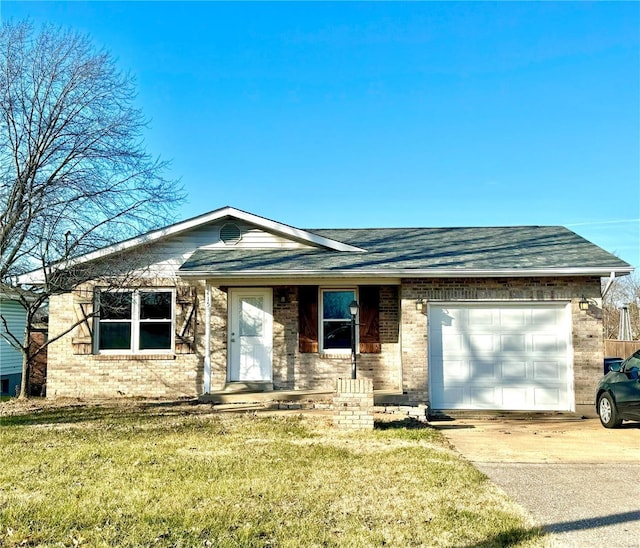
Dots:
{"x": 230, "y": 233}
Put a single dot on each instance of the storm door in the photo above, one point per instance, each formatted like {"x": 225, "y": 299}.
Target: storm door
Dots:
{"x": 250, "y": 335}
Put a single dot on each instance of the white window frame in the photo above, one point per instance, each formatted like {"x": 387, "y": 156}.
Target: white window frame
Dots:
{"x": 136, "y": 321}
{"x": 321, "y": 320}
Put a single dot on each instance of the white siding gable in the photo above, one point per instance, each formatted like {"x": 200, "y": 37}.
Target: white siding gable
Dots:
{"x": 252, "y": 237}
{"x": 166, "y": 256}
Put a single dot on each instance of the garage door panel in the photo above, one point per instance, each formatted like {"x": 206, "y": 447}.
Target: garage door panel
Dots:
{"x": 551, "y": 343}
{"x": 451, "y": 395}
{"x": 543, "y": 317}
{"x": 513, "y": 318}
{"x": 512, "y": 343}
{"x": 500, "y": 356}
{"x": 547, "y": 397}
{"x": 478, "y": 317}
{"x": 513, "y": 370}
{"x": 514, "y": 398}
{"x": 482, "y": 397}
{"x": 481, "y": 342}
{"x": 457, "y": 370}
{"x": 483, "y": 370}
{"x": 547, "y": 370}
{"x": 450, "y": 345}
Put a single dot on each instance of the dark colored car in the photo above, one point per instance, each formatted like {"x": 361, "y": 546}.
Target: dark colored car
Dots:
{"x": 618, "y": 392}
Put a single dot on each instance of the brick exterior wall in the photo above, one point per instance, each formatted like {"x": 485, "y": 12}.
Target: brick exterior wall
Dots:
{"x": 219, "y": 299}
{"x": 285, "y": 337}
{"x": 94, "y": 376}
{"x": 401, "y": 365}
{"x": 586, "y": 334}
{"x": 293, "y": 370}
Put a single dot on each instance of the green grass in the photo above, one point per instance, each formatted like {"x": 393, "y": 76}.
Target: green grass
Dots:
{"x": 184, "y": 475}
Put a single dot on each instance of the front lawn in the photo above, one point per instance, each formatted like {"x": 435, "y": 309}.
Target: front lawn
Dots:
{"x": 186, "y": 475}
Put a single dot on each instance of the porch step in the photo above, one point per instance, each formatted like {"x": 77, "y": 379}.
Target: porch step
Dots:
{"x": 243, "y": 393}
{"x": 390, "y": 397}
{"x": 254, "y": 386}
{"x": 224, "y": 396}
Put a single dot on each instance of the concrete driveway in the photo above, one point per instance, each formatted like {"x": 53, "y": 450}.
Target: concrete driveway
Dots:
{"x": 578, "y": 480}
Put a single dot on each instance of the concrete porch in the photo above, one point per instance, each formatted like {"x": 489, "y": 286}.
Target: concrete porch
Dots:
{"x": 264, "y": 392}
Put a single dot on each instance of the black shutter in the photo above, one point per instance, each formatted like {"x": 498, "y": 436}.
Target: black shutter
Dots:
{"x": 369, "y": 319}
{"x": 308, "y": 318}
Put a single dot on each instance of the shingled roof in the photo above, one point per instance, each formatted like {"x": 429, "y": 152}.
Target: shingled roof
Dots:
{"x": 413, "y": 252}
{"x": 377, "y": 252}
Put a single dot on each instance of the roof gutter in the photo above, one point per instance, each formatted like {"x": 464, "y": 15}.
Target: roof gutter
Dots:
{"x": 407, "y": 273}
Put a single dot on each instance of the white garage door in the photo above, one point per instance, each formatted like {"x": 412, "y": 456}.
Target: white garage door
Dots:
{"x": 508, "y": 357}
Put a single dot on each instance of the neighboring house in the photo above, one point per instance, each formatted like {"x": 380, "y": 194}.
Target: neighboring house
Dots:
{"x": 15, "y": 316}
{"x": 458, "y": 318}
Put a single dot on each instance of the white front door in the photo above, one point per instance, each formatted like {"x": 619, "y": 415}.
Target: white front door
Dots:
{"x": 250, "y": 334}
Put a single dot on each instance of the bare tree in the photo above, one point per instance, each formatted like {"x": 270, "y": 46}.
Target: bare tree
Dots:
{"x": 74, "y": 173}
{"x": 625, "y": 291}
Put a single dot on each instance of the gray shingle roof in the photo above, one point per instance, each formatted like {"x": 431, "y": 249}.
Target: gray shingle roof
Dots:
{"x": 419, "y": 251}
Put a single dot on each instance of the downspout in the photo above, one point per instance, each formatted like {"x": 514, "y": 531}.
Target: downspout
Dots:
{"x": 610, "y": 281}
{"x": 207, "y": 339}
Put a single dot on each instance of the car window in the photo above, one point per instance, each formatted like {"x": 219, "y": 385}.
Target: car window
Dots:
{"x": 632, "y": 361}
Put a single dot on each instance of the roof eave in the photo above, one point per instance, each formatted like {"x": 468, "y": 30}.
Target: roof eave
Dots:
{"x": 411, "y": 273}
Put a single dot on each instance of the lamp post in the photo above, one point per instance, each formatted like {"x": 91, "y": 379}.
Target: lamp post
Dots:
{"x": 353, "y": 310}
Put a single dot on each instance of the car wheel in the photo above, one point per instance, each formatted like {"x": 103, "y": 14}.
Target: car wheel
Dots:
{"x": 607, "y": 412}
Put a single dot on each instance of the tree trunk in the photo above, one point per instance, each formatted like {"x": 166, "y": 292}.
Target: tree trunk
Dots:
{"x": 26, "y": 366}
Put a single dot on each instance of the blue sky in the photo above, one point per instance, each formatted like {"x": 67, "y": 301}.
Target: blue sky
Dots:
{"x": 388, "y": 114}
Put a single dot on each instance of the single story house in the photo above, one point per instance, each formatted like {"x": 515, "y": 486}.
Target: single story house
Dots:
{"x": 495, "y": 318}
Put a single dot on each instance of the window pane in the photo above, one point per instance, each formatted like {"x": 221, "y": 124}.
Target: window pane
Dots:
{"x": 251, "y": 317}
{"x": 155, "y": 335}
{"x": 115, "y": 335}
{"x": 335, "y": 304}
{"x": 337, "y": 334}
{"x": 115, "y": 305}
{"x": 632, "y": 361}
{"x": 155, "y": 306}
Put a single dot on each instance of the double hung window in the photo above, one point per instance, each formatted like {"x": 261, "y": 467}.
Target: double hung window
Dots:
{"x": 135, "y": 321}
{"x": 336, "y": 319}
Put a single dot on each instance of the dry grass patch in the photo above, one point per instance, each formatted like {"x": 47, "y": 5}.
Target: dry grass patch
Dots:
{"x": 184, "y": 475}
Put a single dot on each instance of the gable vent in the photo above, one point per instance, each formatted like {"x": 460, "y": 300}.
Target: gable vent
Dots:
{"x": 230, "y": 233}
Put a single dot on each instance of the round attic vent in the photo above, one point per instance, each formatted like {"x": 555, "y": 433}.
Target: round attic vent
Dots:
{"x": 230, "y": 233}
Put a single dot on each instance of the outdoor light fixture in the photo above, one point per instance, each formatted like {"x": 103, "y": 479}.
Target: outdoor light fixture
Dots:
{"x": 353, "y": 310}
{"x": 419, "y": 304}
{"x": 585, "y": 303}
{"x": 281, "y": 295}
